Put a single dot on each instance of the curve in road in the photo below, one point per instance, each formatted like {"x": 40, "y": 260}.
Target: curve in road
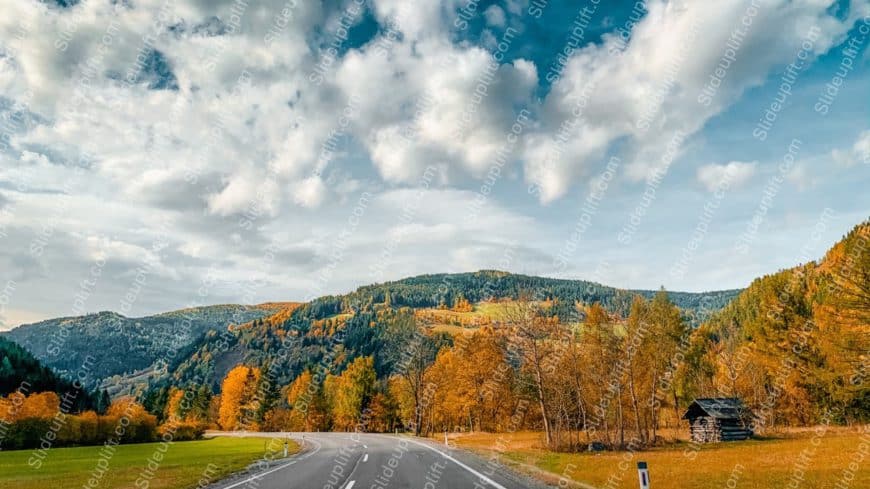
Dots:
{"x": 375, "y": 461}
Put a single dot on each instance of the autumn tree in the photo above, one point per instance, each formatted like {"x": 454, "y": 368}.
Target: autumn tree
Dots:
{"x": 461, "y": 304}
{"x": 410, "y": 364}
{"x": 352, "y": 391}
{"x": 663, "y": 346}
{"x": 843, "y": 318}
{"x": 140, "y": 425}
{"x": 382, "y": 413}
{"x": 307, "y": 405}
{"x": 534, "y": 333}
{"x": 239, "y": 402}
{"x": 471, "y": 383}
{"x": 602, "y": 383}
{"x": 40, "y": 405}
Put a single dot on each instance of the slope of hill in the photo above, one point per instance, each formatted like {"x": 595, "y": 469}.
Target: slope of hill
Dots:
{"x": 120, "y": 345}
{"x": 20, "y": 371}
{"x": 379, "y": 320}
{"x": 794, "y": 346}
{"x": 439, "y": 289}
{"x": 797, "y": 341}
{"x": 128, "y": 349}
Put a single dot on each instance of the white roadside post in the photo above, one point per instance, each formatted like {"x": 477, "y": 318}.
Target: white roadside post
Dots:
{"x": 643, "y": 475}
{"x": 285, "y": 448}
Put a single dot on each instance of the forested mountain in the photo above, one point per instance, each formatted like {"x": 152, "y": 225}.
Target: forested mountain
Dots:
{"x": 129, "y": 347}
{"x": 462, "y": 351}
{"x": 378, "y": 320}
{"x": 440, "y": 289}
{"x": 22, "y": 372}
{"x": 797, "y": 342}
{"x": 119, "y": 344}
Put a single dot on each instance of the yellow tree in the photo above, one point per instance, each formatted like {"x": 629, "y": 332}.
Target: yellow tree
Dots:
{"x": 353, "y": 390}
{"x": 843, "y": 318}
{"x": 599, "y": 354}
{"x": 140, "y": 424}
{"x": 40, "y": 405}
{"x": 174, "y": 410}
{"x": 302, "y": 398}
{"x": 535, "y": 333}
{"x": 443, "y": 407}
{"x": 239, "y": 401}
{"x": 482, "y": 381}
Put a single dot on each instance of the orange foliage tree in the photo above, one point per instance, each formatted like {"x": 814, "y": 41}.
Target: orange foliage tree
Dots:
{"x": 239, "y": 399}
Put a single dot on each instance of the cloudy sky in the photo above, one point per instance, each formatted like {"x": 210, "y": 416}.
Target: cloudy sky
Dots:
{"x": 160, "y": 153}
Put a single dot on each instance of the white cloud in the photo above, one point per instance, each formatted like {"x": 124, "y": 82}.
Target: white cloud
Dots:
{"x": 731, "y": 175}
{"x": 433, "y": 117}
{"x": 247, "y": 190}
{"x": 638, "y": 95}
{"x": 224, "y": 149}
{"x": 494, "y": 16}
{"x": 310, "y": 192}
{"x": 858, "y": 153}
{"x": 801, "y": 175}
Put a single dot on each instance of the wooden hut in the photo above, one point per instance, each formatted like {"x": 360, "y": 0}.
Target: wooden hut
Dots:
{"x": 718, "y": 419}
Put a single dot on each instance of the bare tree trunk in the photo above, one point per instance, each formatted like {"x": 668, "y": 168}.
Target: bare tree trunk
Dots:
{"x": 654, "y": 410}
{"x": 539, "y": 377}
{"x": 619, "y": 417}
{"x": 582, "y": 407}
{"x": 418, "y": 412}
{"x": 634, "y": 404}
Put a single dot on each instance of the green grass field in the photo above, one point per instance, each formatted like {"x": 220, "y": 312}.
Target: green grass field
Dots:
{"x": 183, "y": 466}
{"x": 755, "y": 464}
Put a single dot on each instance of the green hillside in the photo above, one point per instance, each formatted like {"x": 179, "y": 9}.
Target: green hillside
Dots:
{"x": 378, "y": 320}
{"x": 125, "y": 349}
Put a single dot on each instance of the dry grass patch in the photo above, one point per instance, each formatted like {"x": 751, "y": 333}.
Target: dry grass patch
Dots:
{"x": 820, "y": 461}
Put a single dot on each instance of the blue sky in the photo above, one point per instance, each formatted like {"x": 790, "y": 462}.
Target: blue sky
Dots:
{"x": 255, "y": 152}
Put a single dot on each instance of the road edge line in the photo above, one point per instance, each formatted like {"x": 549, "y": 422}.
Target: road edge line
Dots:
{"x": 457, "y": 462}
{"x": 261, "y": 474}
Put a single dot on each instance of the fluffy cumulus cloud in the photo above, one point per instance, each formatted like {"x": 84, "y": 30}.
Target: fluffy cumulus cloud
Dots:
{"x": 656, "y": 78}
{"x": 729, "y": 175}
{"x": 188, "y": 136}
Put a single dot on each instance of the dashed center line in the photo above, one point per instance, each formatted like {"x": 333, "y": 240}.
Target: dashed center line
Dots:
{"x": 366, "y": 457}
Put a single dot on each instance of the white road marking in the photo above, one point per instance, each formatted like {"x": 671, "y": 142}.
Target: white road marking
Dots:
{"x": 457, "y": 462}
{"x": 366, "y": 447}
{"x": 237, "y": 484}
{"x": 366, "y": 457}
{"x": 350, "y": 485}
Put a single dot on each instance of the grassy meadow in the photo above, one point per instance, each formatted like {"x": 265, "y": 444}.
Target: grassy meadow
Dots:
{"x": 184, "y": 464}
{"x": 766, "y": 463}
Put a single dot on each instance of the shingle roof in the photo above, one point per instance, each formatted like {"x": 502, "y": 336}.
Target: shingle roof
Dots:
{"x": 719, "y": 407}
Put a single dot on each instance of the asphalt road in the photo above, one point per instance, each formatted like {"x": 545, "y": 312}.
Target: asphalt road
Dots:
{"x": 374, "y": 461}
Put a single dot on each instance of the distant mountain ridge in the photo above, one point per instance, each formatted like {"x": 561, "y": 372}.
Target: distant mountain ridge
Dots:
{"x": 130, "y": 346}
{"x": 379, "y": 321}
{"x": 21, "y": 372}
{"x": 118, "y": 344}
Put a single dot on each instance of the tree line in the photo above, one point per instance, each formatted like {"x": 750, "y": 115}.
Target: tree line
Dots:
{"x": 793, "y": 346}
